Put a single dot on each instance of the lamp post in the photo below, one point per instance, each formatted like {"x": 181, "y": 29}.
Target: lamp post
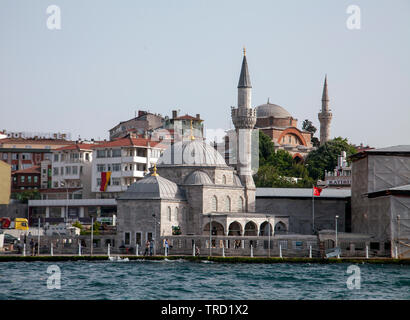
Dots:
{"x": 268, "y": 218}
{"x": 398, "y": 236}
{"x": 336, "y": 217}
{"x": 155, "y": 232}
{"x": 64, "y": 184}
{"x": 210, "y": 235}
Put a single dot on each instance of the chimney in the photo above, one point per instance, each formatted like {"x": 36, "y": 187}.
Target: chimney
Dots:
{"x": 198, "y": 116}
{"x": 174, "y": 114}
{"x": 141, "y": 113}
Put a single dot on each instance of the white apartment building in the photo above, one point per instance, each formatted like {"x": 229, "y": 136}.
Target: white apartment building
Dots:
{"x": 341, "y": 176}
{"x": 71, "y": 167}
{"x": 127, "y": 159}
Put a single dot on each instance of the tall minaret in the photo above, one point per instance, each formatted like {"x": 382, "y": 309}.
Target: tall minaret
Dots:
{"x": 325, "y": 116}
{"x": 244, "y": 120}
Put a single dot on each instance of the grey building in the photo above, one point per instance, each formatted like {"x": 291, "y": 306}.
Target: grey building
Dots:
{"x": 381, "y": 197}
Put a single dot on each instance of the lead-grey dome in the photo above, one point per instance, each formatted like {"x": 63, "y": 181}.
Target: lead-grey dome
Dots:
{"x": 199, "y": 178}
{"x": 191, "y": 153}
{"x": 271, "y": 110}
{"x": 153, "y": 187}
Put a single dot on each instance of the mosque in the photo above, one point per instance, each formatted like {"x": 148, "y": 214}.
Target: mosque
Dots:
{"x": 192, "y": 191}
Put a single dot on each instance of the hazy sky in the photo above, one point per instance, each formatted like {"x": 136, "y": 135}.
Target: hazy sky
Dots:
{"x": 111, "y": 58}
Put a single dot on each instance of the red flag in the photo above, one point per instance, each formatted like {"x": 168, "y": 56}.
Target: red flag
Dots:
{"x": 317, "y": 191}
{"x": 105, "y": 177}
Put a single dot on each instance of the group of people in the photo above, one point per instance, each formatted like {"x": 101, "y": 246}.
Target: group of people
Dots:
{"x": 149, "y": 246}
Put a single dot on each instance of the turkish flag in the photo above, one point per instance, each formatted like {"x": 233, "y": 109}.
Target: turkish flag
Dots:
{"x": 317, "y": 191}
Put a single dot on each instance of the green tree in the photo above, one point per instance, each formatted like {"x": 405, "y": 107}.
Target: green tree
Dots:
{"x": 307, "y": 125}
{"x": 27, "y": 195}
{"x": 266, "y": 148}
{"x": 325, "y": 157}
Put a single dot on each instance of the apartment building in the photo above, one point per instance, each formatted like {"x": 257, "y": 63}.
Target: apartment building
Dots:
{"x": 117, "y": 164}
{"x": 71, "y": 168}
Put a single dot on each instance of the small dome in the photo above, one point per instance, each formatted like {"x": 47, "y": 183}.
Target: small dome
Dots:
{"x": 199, "y": 178}
{"x": 153, "y": 187}
{"x": 191, "y": 153}
{"x": 271, "y": 110}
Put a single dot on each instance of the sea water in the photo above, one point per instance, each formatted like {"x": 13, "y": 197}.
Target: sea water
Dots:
{"x": 194, "y": 280}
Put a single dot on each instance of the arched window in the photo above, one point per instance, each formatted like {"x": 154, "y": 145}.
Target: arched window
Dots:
{"x": 228, "y": 204}
{"x": 169, "y": 214}
{"x": 240, "y": 204}
{"x": 214, "y": 204}
{"x": 224, "y": 179}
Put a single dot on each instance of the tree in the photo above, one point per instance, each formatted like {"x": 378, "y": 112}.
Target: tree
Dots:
{"x": 266, "y": 147}
{"x": 325, "y": 157}
{"x": 27, "y": 195}
{"x": 277, "y": 168}
{"x": 307, "y": 125}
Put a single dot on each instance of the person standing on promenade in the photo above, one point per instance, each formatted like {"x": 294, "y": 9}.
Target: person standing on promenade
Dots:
{"x": 151, "y": 247}
{"x": 166, "y": 247}
{"x": 146, "y": 248}
{"x": 32, "y": 246}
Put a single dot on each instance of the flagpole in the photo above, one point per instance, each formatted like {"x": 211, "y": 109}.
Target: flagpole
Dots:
{"x": 313, "y": 209}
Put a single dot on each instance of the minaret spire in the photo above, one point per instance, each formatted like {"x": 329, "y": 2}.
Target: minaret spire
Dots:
{"x": 325, "y": 116}
{"x": 325, "y": 96}
{"x": 244, "y": 120}
{"x": 244, "y": 78}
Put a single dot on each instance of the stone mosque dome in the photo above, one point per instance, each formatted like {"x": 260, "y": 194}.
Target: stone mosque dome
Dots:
{"x": 191, "y": 153}
{"x": 198, "y": 178}
{"x": 153, "y": 187}
{"x": 271, "y": 110}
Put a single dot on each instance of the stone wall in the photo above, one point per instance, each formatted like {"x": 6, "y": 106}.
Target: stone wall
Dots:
{"x": 299, "y": 211}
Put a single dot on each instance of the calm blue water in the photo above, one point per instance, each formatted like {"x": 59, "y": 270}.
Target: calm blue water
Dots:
{"x": 194, "y": 280}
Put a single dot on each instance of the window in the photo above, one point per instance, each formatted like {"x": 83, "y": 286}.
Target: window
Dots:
{"x": 55, "y": 171}
{"x": 116, "y": 153}
{"x": 61, "y": 170}
{"x": 138, "y": 239}
{"x": 75, "y": 170}
{"x": 26, "y": 156}
{"x": 115, "y": 181}
{"x": 214, "y": 204}
{"x": 67, "y": 170}
{"x": 228, "y": 204}
{"x": 224, "y": 179}
{"x": 176, "y": 213}
{"x": 374, "y": 246}
{"x": 87, "y": 156}
{"x": 283, "y": 244}
{"x": 100, "y": 153}
{"x": 56, "y": 158}
{"x": 14, "y": 156}
{"x": 4, "y": 156}
{"x": 169, "y": 214}
{"x": 100, "y": 167}
{"x": 98, "y": 182}
{"x": 116, "y": 167}
{"x": 127, "y": 239}
{"x": 35, "y": 179}
{"x": 28, "y": 179}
